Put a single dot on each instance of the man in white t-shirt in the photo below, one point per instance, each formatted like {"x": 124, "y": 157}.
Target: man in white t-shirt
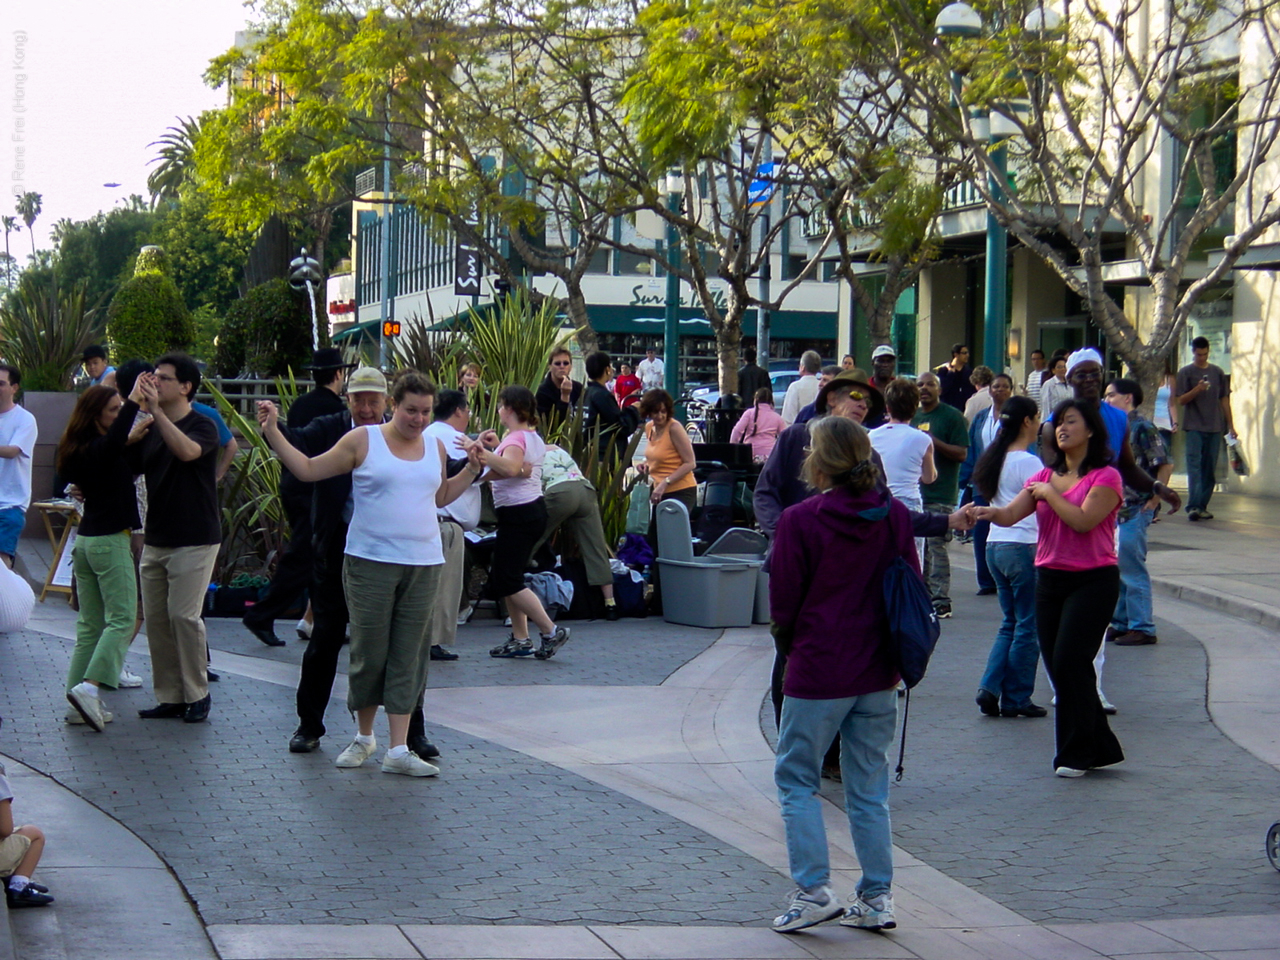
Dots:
{"x": 17, "y": 444}
{"x": 805, "y": 390}
{"x": 651, "y": 371}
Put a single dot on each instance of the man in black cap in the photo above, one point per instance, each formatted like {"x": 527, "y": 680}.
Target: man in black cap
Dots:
{"x": 293, "y": 572}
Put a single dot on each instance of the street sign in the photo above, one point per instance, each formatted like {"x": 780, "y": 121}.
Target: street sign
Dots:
{"x": 760, "y": 191}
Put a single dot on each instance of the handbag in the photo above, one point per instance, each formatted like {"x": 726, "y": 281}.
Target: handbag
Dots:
{"x": 639, "y": 509}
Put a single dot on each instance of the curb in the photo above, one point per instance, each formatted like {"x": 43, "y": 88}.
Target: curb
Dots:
{"x": 1264, "y": 615}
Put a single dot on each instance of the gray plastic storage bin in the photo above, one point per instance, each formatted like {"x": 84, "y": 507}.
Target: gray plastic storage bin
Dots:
{"x": 739, "y": 543}
{"x": 713, "y": 592}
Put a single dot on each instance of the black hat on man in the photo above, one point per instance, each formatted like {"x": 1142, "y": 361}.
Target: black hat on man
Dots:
{"x": 329, "y": 358}
{"x": 858, "y": 380}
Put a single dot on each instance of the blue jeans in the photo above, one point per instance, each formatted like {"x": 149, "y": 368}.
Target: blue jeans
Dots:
{"x": 866, "y": 725}
{"x": 1133, "y": 609}
{"x": 1202, "y": 462}
{"x": 1011, "y": 665}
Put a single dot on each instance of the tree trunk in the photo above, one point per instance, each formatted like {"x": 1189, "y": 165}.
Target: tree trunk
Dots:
{"x": 576, "y": 307}
{"x": 728, "y": 342}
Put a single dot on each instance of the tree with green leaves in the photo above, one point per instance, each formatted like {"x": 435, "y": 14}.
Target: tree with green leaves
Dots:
{"x": 10, "y": 225}
{"x": 28, "y": 206}
{"x": 175, "y": 161}
{"x": 147, "y": 316}
{"x": 45, "y": 326}
{"x": 1140, "y": 133}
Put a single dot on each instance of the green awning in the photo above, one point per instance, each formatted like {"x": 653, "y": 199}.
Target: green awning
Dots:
{"x": 369, "y": 328}
{"x": 783, "y": 324}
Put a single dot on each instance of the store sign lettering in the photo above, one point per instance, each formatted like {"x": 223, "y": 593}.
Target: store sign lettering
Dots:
{"x": 639, "y": 298}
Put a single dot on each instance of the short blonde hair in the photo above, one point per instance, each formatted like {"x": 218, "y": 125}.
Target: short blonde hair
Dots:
{"x": 839, "y": 455}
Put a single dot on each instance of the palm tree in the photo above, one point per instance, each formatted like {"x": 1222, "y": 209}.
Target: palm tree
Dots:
{"x": 10, "y": 225}
{"x": 176, "y": 160}
{"x": 28, "y": 207}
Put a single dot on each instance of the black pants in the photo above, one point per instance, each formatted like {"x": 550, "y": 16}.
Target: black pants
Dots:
{"x": 294, "y": 571}
{"x": 320, "y": 661}
{"x": 1073, "y": 611}
{"x": 832, "y": 758}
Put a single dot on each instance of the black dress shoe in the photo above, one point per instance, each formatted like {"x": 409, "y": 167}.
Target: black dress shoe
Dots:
{"x": 198, "y": 712}
{"x": 988, "y": 703}
{"x": 265, "y": 634}
{"x": 440, "y": 653}
{"x": 164, "y": 711}
{"x": 28, "y": 896}
{"x": 303, "y": 743}
{"x": 212, "y": 677}
{"x": 611, "y": 611}
{"x": 1030, "y": 710}
{"x": 423, "y": 747}
{"x": 987, "y": 592}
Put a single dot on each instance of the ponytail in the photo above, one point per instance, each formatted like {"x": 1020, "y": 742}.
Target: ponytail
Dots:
{"x": 986, "y": 475}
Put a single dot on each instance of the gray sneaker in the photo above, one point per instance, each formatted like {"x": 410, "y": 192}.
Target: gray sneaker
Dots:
{"x": 870, "y": 913}
{"x": 411, "y": 765}
{"x": 551, "y": 644}
{"x": 355, "y": 754}
{"x": 513, "y": 648}
{"x": 808, "y": 909}
{"x": 87, "y": 705}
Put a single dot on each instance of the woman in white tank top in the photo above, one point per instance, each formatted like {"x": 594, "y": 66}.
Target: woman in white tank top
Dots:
{"x": 393, "y": 558}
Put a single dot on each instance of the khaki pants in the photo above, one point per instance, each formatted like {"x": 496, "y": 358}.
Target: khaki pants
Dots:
{"x": 174, "y": 582}
{"x": 442, "y": 628}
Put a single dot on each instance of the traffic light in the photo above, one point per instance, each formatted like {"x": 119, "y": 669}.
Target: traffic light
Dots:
{"x": 391, "y": 328}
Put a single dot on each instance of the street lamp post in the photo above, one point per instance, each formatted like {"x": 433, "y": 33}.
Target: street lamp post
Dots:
{"x": 671, "y": 319}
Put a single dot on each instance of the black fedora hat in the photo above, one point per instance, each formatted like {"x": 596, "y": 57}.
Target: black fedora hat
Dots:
{"x": 853, "y": 380}
{"x": 328, "y": 358}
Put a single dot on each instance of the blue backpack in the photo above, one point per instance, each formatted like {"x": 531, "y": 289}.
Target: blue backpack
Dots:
{"x": 913, "y": 627}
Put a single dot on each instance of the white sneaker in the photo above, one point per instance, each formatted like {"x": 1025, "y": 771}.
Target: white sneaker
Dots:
{"x": 465, "y": 616}
{"x": 73, "y": 716}
{"x": 304, "y": 630}
{"x": 128, "y": 681}
{"x": 1070, "y": 772}
{"x": 1108, "y": 707}
{"x": 873, "y": 913}
{"x": 411, "y": 765}
{"x": 87, "y": 705}
{"x": 808, "y": 909}
{"x": 355, "y": 754}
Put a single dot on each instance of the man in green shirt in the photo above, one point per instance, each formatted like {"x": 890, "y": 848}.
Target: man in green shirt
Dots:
{"x": 949, "y": 431}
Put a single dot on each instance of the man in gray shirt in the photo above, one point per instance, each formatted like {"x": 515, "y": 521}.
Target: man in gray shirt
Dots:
{"x": 1204, "y": 394}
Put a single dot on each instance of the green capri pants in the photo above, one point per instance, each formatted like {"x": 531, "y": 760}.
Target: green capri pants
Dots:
{"x": 108, "y": 592}
{"x": 390, "y": 606}
{"x": 573, "y": 503}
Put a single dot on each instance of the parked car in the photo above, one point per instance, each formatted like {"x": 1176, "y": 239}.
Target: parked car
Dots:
{"x": 780, "y": 379}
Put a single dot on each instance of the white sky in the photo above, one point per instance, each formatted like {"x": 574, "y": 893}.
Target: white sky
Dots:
{"x": 102, "y": 81}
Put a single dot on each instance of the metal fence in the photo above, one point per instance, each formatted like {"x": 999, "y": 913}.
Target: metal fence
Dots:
{"x": 242, "y": 394}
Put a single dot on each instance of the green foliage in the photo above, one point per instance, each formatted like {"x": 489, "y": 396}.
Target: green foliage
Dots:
{"x": 207, "y": 261}
{"x": 100, "y": 250}
{"x": 152, "y": 259}
{"x": 254, "y": 528}
{"x": 176, "y": 165}
{"x": 267, "y": 333}
{"x": 208, "y": 326}
{"x": 44, "y": 328}
{"x": 147, "y": 317}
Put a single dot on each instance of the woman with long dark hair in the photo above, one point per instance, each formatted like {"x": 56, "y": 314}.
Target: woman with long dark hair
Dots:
{"x": 515, "y": 466}
{"x": 759, "y": 426}
{"x": 91, "y": 455}
{"x": 1000, "y": 475}
{"x": 826, "y": 599}
{"x": 1075, "y": 501}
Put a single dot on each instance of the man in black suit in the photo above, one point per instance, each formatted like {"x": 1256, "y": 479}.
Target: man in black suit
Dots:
{"x": 293, "y": 572}
{"x": 751, "y": 377}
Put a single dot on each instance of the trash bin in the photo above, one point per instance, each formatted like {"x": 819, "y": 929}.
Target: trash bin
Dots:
{"x": 704, "y": 591}
{"x": 739, "y": 543}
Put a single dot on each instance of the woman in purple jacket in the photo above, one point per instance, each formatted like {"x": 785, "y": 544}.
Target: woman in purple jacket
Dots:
{"x": 826, "y": 599}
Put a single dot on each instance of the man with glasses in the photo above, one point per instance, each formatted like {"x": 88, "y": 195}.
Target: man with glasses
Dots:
{"x": 558, "y": 392}
{"x": 183, "y": 530}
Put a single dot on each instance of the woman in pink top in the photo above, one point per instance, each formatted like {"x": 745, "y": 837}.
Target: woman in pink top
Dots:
{"x": 515, "y": 469}
{"x": 1075, "y": 501}
{"x": 759, "y": 426}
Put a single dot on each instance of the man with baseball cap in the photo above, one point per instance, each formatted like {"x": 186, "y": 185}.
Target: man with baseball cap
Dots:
{"x": 293, "y": 572}
{"x": 884, "y": 362}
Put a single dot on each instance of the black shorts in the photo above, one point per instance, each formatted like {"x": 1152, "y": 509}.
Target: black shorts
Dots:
{"x": 519, "y": 529}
